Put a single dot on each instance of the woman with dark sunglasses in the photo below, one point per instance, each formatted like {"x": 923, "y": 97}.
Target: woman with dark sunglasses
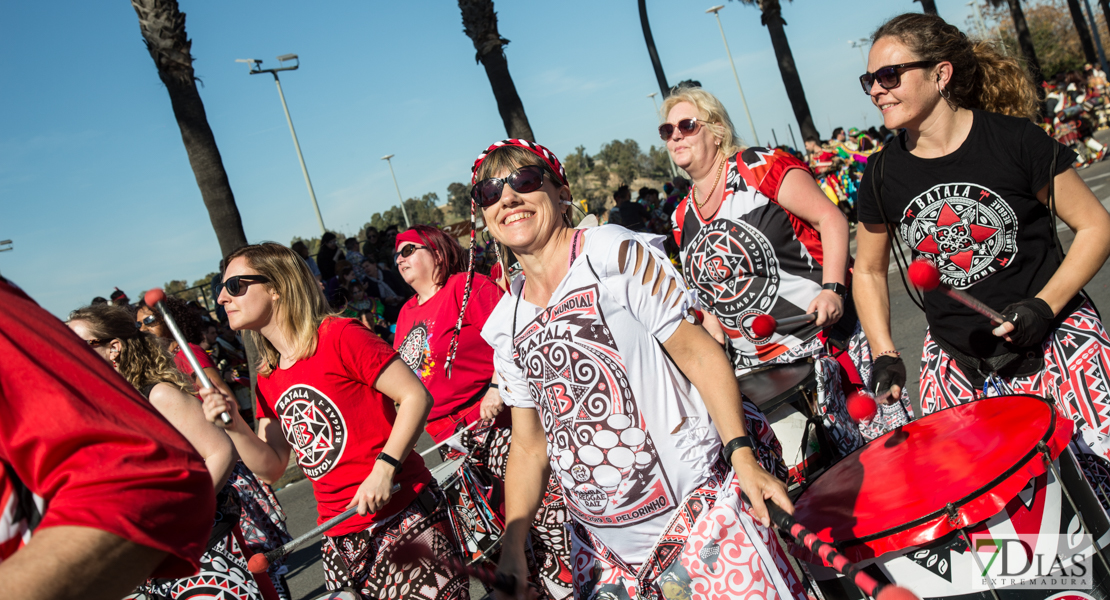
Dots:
{"x": 434, "y": 264}
{"x": 617, "y": 392}
{"x": 336, "y": 393}
{"x": 967, "y": 186}
{"x": 757, "y": 236}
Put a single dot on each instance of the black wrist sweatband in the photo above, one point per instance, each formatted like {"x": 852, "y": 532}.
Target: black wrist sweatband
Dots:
{"x": 735, "y": 444}
{"x": 389, "y": 460}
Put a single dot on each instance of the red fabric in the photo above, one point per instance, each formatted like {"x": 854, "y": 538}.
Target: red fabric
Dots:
{"x": 77, "y": 435}
{"x": 913, "y": 472}
{"x": 337, "y": 423}
{"x": 183, "y": 363}
{"x": 423, "y": 338}
{"x": 767, "y": 178}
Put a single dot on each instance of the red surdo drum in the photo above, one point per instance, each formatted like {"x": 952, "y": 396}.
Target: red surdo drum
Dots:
{"x": 995, "y": 473}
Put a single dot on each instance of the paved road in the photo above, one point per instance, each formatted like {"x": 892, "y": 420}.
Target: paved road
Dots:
{"x": 306, "y": 576}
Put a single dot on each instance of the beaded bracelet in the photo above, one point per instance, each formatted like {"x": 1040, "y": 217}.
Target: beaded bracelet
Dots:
{"x": 893, "y": 353}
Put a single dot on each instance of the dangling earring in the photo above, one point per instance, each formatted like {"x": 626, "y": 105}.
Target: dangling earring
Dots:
{"x": 947, "y": 95}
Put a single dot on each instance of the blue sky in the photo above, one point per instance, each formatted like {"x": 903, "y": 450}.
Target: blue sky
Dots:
{"x": 96, "y": 189}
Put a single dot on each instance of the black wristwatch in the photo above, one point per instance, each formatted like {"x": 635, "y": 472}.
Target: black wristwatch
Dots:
{"x": 389, "y": 460}
{"x": 735, "y": 444}
{"x": 837, "y": 288}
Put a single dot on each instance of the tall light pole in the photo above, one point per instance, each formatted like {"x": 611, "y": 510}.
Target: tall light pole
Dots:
{"x": 674, "y": 170}
{"x": 715, "y": 10}
{"x": 256, "y": 68}
{"x": 404, "y": 212}
{"x": 860, "y": 43}
{"x": 979, "y": 19}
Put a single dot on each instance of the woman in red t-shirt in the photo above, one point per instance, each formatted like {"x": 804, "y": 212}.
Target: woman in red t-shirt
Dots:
{"x": 431, "y": 325}
{"x": 334, "y": 392}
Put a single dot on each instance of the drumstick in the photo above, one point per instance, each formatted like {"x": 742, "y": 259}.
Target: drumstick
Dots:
{"x": 437, "y": 446}
{"x": 880, "y": 591}
{"x": 764, "y": 325}
{"x": 260, "y": 562}
{"x": 154, "y": 298}
{"x": 924, "y": 275}
{"x": 408, "y": 553}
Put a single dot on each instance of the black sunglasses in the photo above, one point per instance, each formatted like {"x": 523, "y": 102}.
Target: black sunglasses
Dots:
{"x": 686, "y": 126}
{"x": 890, "y": 76}
{"x": 487, "y": 192}
{"x": 147, "y": 320}
{"x": 407, "y": 251}
{"x": 95, "y": 343}
{"x": 237, "y": 286}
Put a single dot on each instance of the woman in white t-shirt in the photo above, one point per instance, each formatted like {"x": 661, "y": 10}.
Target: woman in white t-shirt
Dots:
{"x": 615, "y": 388}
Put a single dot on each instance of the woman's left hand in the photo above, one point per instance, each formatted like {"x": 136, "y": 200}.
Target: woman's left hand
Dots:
{"x": 491, "y": 404}
{"x": 759, "y": 485}
{"x": 375, "y": 491}
{"x": 829, "y": 306}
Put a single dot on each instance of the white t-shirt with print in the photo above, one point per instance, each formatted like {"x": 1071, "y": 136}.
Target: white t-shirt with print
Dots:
{"x": 628, "y": 436}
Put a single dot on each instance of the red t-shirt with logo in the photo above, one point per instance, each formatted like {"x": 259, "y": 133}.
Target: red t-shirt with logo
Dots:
{"x": 183, "y": 365}
{"x": 80, "y": 447}
{"x": 423, "y": 339}
{"x": 337, "y": 423}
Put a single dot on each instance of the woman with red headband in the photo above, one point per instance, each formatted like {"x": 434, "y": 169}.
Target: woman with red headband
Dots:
{"x": 430, "y": 323}
{"x": 617, "y": 390}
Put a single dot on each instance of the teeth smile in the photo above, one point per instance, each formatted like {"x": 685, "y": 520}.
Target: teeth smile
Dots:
{"x": 517, "y": 217}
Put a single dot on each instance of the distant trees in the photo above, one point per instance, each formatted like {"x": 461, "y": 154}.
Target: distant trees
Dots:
{"x": 1050, "y": 30}
{"x": 422, "y": 211}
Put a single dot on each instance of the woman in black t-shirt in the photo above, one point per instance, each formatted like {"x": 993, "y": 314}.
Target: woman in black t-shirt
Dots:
{"x": 966, "y": 186}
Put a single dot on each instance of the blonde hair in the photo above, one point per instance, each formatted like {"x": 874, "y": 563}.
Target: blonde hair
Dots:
{"x": 711, "y": 113}
{"x": 982, "y": 77}
{"x": 300, "y": 306}
{"x": 143, "y": 361}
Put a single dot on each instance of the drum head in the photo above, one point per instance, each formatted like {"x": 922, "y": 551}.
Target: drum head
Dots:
{"x": 943, "y": 472}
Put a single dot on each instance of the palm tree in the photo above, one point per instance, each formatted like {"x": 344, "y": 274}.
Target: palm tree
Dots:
{"x": 480, "y": 25}
{"x": 928, "y": 7}
{"x": 163, "y": 27}
{"x": 1025, "y": 40}
{"x": 1105, "y": 4}
{"x": 663, "y": 87}
{"x": 772, "y": 19}
{"x": 1084, "y": 33}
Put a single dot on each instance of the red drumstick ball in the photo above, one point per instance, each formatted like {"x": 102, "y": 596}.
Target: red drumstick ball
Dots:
{"x": 894, "y": 592}
{"x": 861, "y": 407}
{"x": 153, "y": 297}
{"x": 924, "y": 274}
{"x": 763, "y": 326}
{"x": 258, "y": 563}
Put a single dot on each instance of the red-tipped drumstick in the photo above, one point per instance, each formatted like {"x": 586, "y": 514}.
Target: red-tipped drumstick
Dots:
{"x": 787, "y": 524}
{"x": 764, "y": 325}
{"x": 924, "y": 275}
{"x": 260, "y": 562}
{"x": 154, "y": 298}
{"x": 410, "y": 552}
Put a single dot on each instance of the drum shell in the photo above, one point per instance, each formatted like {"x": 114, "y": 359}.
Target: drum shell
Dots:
{"x": 944, "y": 569}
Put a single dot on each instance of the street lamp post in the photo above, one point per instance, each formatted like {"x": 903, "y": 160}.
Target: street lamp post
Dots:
{"x": 404, "y": 212}
{"x": 674, "y": 169}
{"x": 255, "y": 70}
{"x": 716, "y": 10}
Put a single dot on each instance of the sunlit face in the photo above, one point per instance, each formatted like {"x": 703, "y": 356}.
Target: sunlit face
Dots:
{"x": 697, "y": 149}
{"x": 105, "y": 348}
{"x": 525, "y": 222}
{"x": 255, "y": 308}
{"x": 419, "y": 268}
{"x": 917, "y": 97}
{"x": 157, "y": 328}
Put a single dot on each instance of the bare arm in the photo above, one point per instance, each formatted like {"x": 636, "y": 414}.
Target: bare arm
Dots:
{"x": 398, "y": 382}
{"x": 800, "y": 195}
{"x": 266, "y": 453}
{"x": 526, "y": 478}
{"x": 699, "y": 357}
{"x": 1084, "y": 214}
{"x": 870, "y": 291}
{"x": 492, "y": 405}
{"x": 77, "y": 563}
{"x": 187, "y": 417}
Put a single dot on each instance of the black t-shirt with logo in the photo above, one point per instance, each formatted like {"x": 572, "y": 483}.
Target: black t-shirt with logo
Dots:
{"x": 975, "y": 214}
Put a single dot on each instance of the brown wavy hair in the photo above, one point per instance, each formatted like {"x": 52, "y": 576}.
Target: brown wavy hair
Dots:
{"x": 982, "y": 77}
{"x": 143, "y": 361}
{"x": 300, "y": 307}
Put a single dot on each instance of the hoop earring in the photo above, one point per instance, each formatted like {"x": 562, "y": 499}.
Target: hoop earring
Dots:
{"x": 946, "y": 94}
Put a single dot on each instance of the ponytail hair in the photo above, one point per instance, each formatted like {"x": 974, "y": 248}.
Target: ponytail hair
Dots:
{"x": 982, "y": 77}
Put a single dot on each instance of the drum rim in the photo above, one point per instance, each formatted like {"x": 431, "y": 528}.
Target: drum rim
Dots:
{"x": 952, "y": 506}
{"x": 940, "y": 522}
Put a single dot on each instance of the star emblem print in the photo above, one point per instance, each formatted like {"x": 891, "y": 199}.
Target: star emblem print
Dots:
{"x": 314, "y": 427}
{"x": 955, "y": 239}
